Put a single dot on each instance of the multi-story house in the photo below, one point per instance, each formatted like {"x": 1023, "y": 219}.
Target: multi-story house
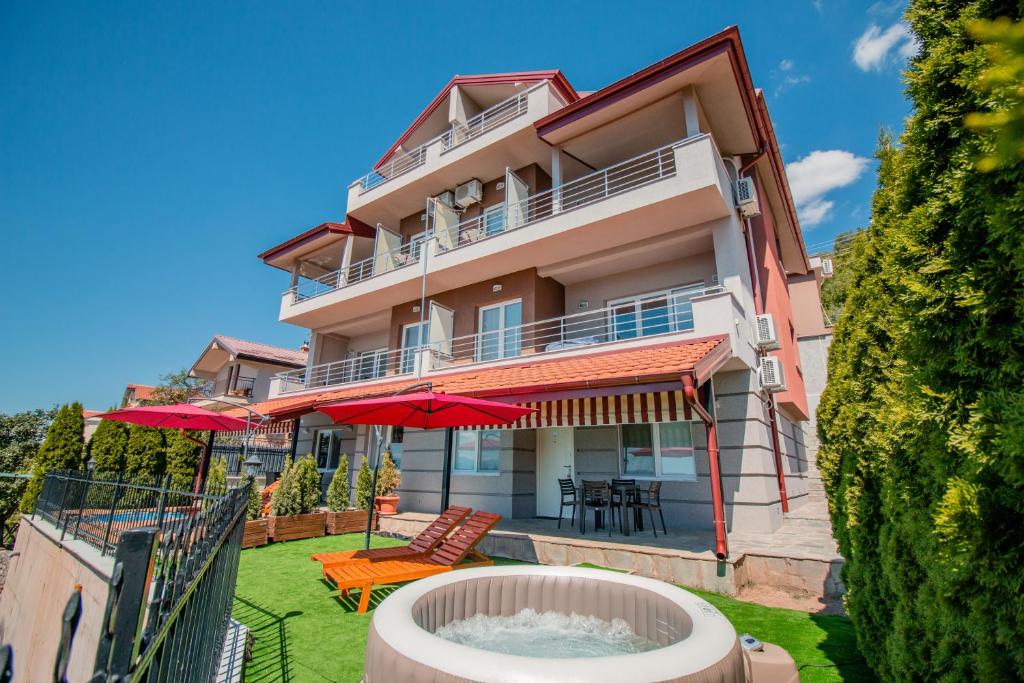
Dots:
{"x": 611, "y": 259}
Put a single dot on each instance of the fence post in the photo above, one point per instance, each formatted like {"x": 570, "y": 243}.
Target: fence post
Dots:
{"x": 115, "y": 499}
{"x": 126, "y": 601}
{"x": 162, "y": 503}
{"x": 60, "y": 510}
{"x": 81, "y": 508}
{"x": 69, "y": 625}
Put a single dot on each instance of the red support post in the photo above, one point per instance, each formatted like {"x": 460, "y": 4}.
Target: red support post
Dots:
{"x": 717, "y": 499}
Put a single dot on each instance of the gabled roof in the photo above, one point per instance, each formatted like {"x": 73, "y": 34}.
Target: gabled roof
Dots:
{"x": 350, "y": 227}
{"x": 241, "y": 349}
{"x": 603, "y": 369}
{"x": 558, "y": 80}
{"x": 143, "y": 392}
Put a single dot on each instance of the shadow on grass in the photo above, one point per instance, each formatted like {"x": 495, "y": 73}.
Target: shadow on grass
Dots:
{"x": 351, "y": 603}
{"x": 270, "y": 660}
{"x": 841, "y": 650}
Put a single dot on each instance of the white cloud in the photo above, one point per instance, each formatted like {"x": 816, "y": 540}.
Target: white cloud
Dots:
{"x": 786, "y": 77}
{"x": 873, "y": 49}
{"x": 785, "y": 65}
{"x": 817, "y": 174}
{"x": 883, "y": 8}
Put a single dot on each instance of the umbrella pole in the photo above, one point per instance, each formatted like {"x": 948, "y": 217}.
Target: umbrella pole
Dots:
{"x": 373, "y": 489}
{"x": 446, "y": 473}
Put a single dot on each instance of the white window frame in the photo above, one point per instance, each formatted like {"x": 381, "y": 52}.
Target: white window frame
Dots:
{"x": 416, "y": 243}
{"x": 501, "y": 331}
{"x": 476, "y": 471}
{"x": 656, "y": 447}
{"x": 336, "y": 432}
{"x": 638, "y": 300}
{"x": 494, "y": 209}
{"x": 408, "y": 354}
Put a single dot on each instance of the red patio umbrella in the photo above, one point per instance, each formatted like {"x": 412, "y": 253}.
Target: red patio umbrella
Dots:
{"x": 424, "y": 410}
{"x": 182, "y": 416}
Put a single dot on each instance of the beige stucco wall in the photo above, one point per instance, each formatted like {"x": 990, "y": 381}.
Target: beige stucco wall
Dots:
{"x": 42, "y": 575}
{"x": 599, "y": 291}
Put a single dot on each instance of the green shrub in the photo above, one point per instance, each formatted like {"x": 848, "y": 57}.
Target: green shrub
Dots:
{"x": 338, "y": 490}
{"x": 146, "y": 452}
{"x": 217, "y": 477}
{"x": 254, "y": 508}
{"x": 307, "y": 484}
{"x": 108, "y": 447}
{"x": 388, "y": 479}
{"x": 922, "y": 422}
{"x": 364, "y": 486}
{"x": 183, "y": 458}
{"x": 285, "y": 499}
{"x": 62, "y": 449}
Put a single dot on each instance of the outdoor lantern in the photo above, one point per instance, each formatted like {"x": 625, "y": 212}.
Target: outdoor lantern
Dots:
{"x": 91, "y": 464}
{"x": 253, "y": 465}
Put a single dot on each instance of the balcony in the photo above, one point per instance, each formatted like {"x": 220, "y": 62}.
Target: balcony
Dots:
{"x": 240, "y": 387}
{"x": 685, "y": 313}
{"x": 360, "y": 271}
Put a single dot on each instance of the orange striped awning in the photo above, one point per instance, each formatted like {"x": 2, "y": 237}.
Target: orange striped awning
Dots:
{"x": 657, "y": 406}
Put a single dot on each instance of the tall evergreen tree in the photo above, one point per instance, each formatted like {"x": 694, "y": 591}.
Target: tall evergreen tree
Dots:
{"x": 62, "y": 449}
{"x": 108, "y": 446}
{"x": 146, "y": 453}
{"x": 183, "y": 458}
{"x": 922, "y": 422}
{"x": 21, "y": 434}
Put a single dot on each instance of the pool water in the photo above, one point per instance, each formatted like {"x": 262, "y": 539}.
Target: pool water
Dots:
{"x": 547, "y": 635}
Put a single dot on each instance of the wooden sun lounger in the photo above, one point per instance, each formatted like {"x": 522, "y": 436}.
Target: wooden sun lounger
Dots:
{"x": 451, "y": 554}
{"x": 424, "y": 543}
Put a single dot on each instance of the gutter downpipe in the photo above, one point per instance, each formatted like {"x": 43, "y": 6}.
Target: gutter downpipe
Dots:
{"x": 717, "y": 504}
{"x": 780, "y": 475}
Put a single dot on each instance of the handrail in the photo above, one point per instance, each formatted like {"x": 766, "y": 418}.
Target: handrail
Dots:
{"x": 378, "y": 264}
{"x": 390, "y": 363}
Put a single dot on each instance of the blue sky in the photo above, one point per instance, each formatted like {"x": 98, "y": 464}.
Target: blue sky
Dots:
{"x": 149, "y": 151}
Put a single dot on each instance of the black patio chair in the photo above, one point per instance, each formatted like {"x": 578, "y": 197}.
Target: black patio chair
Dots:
{"x": 597, "y": 496}
{"x": 569, "y": 499}
{"x": 623, "y": 491}
{"x": 651, "y": 503}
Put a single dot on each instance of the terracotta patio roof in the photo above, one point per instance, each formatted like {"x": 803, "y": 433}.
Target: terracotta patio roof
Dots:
{"x": 349, "y": 227}
{"x": 624, "y": 367}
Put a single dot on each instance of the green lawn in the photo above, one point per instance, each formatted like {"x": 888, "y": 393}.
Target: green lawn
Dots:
{"x": 303, "y": 634}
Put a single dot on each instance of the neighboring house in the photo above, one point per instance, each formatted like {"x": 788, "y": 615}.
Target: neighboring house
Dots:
{"x": 136, "y": 395}
{"x": 814, "y": 336}
{"x": 591, "y": 256}
{"x": 92, "y": 423}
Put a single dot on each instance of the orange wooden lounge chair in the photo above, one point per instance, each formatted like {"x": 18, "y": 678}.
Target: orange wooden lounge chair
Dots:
{"x": 450, "y": 555}
{"x": 424, "y": 543}
{"x": 266, "y": 494}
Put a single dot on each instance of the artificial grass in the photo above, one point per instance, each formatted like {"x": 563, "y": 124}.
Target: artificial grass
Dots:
{"x": 304, "y": 634}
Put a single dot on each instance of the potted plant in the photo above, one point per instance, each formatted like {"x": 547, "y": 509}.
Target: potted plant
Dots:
{"x": 341, "y": 517}
{"x": 295, "y": 506}
{"x": 388, "y": 481}
{"x": 256, "y": 524}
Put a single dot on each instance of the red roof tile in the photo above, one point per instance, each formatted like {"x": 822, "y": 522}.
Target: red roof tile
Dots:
{"x": 601, "y": 369}
{"x": 265, "y": 352}
{"x": 143, "y": 392}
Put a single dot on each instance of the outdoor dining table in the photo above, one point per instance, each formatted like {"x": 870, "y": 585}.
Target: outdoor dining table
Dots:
{"x": 626, "y": 493}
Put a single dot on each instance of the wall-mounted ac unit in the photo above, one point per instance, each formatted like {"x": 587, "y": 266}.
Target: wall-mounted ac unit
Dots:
{"x": 469, "y": 193}
{"x": 746, "y": 198}
{"x": 826, "y": 267}
{"x": 770, "y": 374}
{"x": 765, "y": 335}
{"x": 446, "y": 198}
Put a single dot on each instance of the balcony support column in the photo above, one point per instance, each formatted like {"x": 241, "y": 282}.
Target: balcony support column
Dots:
{"x": 346, "y": 260}
{"x": 690, "y": 111}
{"x": 556, "y": 178}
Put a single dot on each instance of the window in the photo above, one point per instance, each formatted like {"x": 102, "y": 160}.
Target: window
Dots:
{"x": 658, "y": 450}
{"x": 494, "y": 219}
{"x": 370, "y": 364}
{"x": 397, "y": 437}
{"x": 413, "y": 336}
{"x": 655, "y": 313}
{"x": 500, "y": 333}
{"x": 476, "y": 451}
{"x": 328, "y": 448}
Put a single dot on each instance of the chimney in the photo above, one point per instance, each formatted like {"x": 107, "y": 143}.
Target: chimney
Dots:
{"x": 305, "y": 347}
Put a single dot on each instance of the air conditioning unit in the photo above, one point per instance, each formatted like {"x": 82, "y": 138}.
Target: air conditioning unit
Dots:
{"x": 765, "y": 335}
{"x": 446, "y": 198}
{"x": 746, "y": 198}
{"x": 770, "y": 375}
{"x": 469, "y": 193}
{"x": 826, "y": 267}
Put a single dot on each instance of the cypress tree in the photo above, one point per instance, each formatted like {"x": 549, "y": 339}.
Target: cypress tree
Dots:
{"x": 109, "y": 446}
{"x": 307, "y": 485}
{"x": 182, "y": 460}
{"x": 217, "y": 478}
{"x": 62, "y": 449}
{"x": 284, "y": 500}
{"x": 364, "y": 486}
{"x": 923, "y": 418}
{"x": 388, "y": 478}
{"x": 338, "y": 490}
{"x": 146, "y": 454}
{"x": 254, "y": 508}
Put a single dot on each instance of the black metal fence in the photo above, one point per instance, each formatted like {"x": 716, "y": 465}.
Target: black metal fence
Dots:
{"x": 99, "y": 508}
{"x": 272, "y": 458}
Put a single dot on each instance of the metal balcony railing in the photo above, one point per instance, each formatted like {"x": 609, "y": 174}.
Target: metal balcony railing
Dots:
{"x": 487, "y": 120}
{"x": 366, "y": 366}
{"x": 639, "y": 317}
{"x": 243, "y": 386}
{"x": 385, "y": 262}
{"x": 614, "y": 180}
{"x": 401, "y": 162}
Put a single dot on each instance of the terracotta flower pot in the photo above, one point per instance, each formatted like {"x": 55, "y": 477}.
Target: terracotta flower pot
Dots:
{"x": 386, "y": 505}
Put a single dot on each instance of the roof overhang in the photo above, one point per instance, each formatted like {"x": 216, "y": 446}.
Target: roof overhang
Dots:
{"x": 219, "y": 351}
{"x": 717, "y": 68}
{"x": 325, "y": 234}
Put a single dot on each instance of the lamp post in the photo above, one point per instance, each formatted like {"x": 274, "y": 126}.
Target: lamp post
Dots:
{"x": 252, "y": 465}
{"x": 90, "y": 464}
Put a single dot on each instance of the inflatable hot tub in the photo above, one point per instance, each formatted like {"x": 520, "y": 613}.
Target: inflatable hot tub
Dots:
{"x": 673, "y": 634}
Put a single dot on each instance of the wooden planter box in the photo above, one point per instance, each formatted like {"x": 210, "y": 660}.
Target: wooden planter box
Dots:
{"x": 294, "y": 527}
{"x": 255, "y": 533}
{"x": 348, "y": 521}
